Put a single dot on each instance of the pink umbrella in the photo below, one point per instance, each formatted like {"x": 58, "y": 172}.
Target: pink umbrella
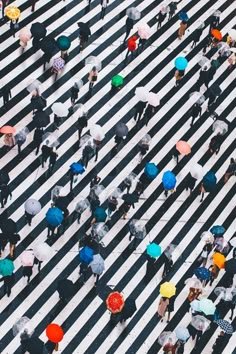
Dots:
{"x": 27, "y": 258}
{"x": 7, "y": 129}
{"x": 144, "y": 31}
{"x": 183, "y": 147}
{"x": 153, "y": 99}
{"x": 25, "y": 34}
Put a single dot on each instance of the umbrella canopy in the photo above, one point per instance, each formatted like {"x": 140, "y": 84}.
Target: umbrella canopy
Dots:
{"x": 207, "y": 306}
{"x": 200, "y": 322}
{"x": 97, "y": 190}
{"x": 54, "y": 217}
{"x": 41, "y": 119}
{"x": 193, "y": 283}
{"x": 151, "y": 170}
{"x": 86, "y": 255}
{"x": 77, "y": 168}
{"x": 115, "y": 302}
{"x": 49, "y": 45}
{"x": 7, "y": 129}
{"x": 181, "y": 63}
{"x": 97, "y": 132}
{"x": 222, "y": 245}
{"x": 63, "y": 43}
{"x": 32, "y": 206}
{"x": 82, "y": 110}
{"x": 166, "y": 337}
{"x": 58, "y": 63}
{"x": 232, "y": 34}
{"x": 183, "y": 16}
{"x": 216, "y": 34}
{"x": 27, "y": 258}
{"x": 183, "y": 147}
{"x": 42, "y": 251}
{"x": 220, "y": 126}
{"x": 144, "y": 31}
{"x": 20, "y": 136}
{"x": 167, "y": 289}
{"x": 78, "y": 83}
{"x": 59, "y": 109}
{"x": 197, "y": 97}
{"x": 8, "y": 227}
{"x": 82, "y": 205}
{"x": 93, "y": 61}
{"x": 225, "y": 294}
{"x": 225, "y": 326}
{"x": 204, "y": 62}
{"x": 55, "y": 192}
{"x": 202, "y": 273}
{"x": 222, "y": 46}
{"x": 197, "y": 171}
{"x": 230, "y": 266}
{"x": 153, "y": 250}
{"x": 142, "y": 94}
{"x": 38, "y": 30}
{"x": 6, "y": 267}
{"x": 121, "y": 129}
{"x": 62, "y": 203}
{"x": 145, "y": 139}
{"x": 97, "y": 264}
{"x": 65, "y": 288}
{"x": 24, "y": 34}
{"x": 117, "y": 80}
{"x": 217, "y": 230}
{"x": 169, "y": 250}
{"x": 99, "y": 230}
{"x": 195, "y": 305}
{"x": 209, "y": 181}
{"x": 84, "y": 28}
{"x": 138, "y": 229}
{"x": 115, "y": 193}
{"x": 153, "y": 99}
{"x": 215, "y": 90}
{"x": 216, "y": 13}
{"x": 4, "y": 177}
{"x": 219, "y": 260}
{"x": 133, "y": 13}
{"x": 22, "y": 325}
{"x": 130, "y": 198}
{"x": 12, "y": 12}
{"x": 182, "y": 333}
{"x": 206, "y": 236}
{"x": 54, "y": 333}
{"x": 100, "y": 214}
{"x": 51, "y": 139}
{"x": 169, "y": 180}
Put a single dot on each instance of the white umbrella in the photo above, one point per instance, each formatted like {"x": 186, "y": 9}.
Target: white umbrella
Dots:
{"x": 21, "y": 135}
{"x": 78, "y": 83}
{"x": 51, "y": 139}
{"x": 197, "y": 171}
{"x": 193, "y": 283}
{"x": 98, "y": 189}
{"x": 144, "y": 31}
{"x": 153, "y": 99}
{"x": 138, "y": 229}
{"x": 131, "y": 178}
{"x": 207, "y": 236}
{"x": 42, "y": 251}
{"x": 33, "y": 85}
{"x": 114, "y": 193}
{"x": 59, "y": 109}
{"x": 97, "y": 264}
{"x": 232, "y": 34}
{"x": 99, "y": 230}
{"x": 32, "y": 206}
{"x": 93, "y": 61}
{"x": 142, "y": 94}
{"x": 200, "y": 323}
{"x": 22, "y": 325}
{"x": 197, "y": 97}
{"x": 145, "y": 139}
{"x": 166, "y": 337}
{"x": 220, "y": 126}
{"x": 133, "y": 13}
{"x": 97, "y": 132}
{"x": 216, "y": 13}
{"x": 84, "y": 140}
{"x": 55, "y": 192}
{"x": 204, "y": 62}
{"x": 225, "y": 294}
{"x": 81, "y": 109}
{"x": 82, "y": 205}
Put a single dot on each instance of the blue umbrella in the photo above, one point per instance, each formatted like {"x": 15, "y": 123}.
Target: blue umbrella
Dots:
{"x": 209, "y": 181}
{"x": 217, "y": 230}
{"x": 181, "y": 63}
{"x": 54, "y": 216}
{"x": 202, "y": 273}
{"x": 151, "y": 170}
{"x": 86, "y": 255}
{"x": 183, "y": 16}
{"x": 169, "y": 180}
{"x": 77, "y": 168}
{"x": 100, "y": 214}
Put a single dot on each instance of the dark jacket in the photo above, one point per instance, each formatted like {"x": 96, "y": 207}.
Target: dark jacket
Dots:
{"x": 46, "y": 151}
{"x": 197, "y": 34}
{"x": 196, "y": 111}
{"x": 38, "y": 135}
{"x": 211, "y": 73}
{"x": 203, "y": 77}
{"x": 216, "y": 142}
{"x": 148, "y": 112}
{"x": 82, "y": 122}
{"x": 74, "y": 93}
{"x": 38, "y": 102}
{"x": 5, "y": 93}
{"x": 140, "y": 106}
{"x": 129, "y": 24}
{"x": 5, "y": 191}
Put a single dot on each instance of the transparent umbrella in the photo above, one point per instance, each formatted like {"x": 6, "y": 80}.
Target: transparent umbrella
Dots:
{"x": 96, "y": 190}
{"x": 99, "y": 230}
{"x": 138, "y": 229}
{"x": 130, "y": 179}
{"x": 55, "y": 192}
{"x": 84, "y": 140}
{"x": 51, "y": 139}
{"x": 78, "y": 83}
{"x": 216, "y": 13}
{"x": 115, "y": 193}
{"x": 204, "y": 62}
{"x": 22, "y": 325}
{"x": 223, "y": 46}
{"x": 221, "y": 245}
{"x": 59, "y": 109}
{"x": 146, "y": 139}
{"x": 207, "y": 236}
{"x": 200, "y": 323}
{"x": 93, "y": 61}
{"x": 166, "y": 337}
{"x": 220, "y": 126}
{"x": 97, "y": 132}
{"x": 97, "y": 264}
{"x": 42, "y": 251}
{"x": 33, "y": 85}
{"x": 197, "y": 97}
{"x": 21, "y": 135}
{"x": 81, "y": 109}
{"x": 142, "y": 94}
{"x": 133, "y": 13}
{"x": 193, "y": 283}
{"x": 197, "y": 171}
{"x": 169, "y": 250}
{"x": 82, "y": 205}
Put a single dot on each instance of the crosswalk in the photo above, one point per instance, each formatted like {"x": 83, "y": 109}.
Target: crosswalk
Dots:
{"x": 178, "y": 219}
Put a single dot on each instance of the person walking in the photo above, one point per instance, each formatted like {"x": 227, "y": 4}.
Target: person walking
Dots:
{"x": 56, "y": 121}
{"x": 46, "y": 152}
{"x": 214, "y": 23}
{"x": 162, "y": 307}
{"x": 13, "y": 239}
{"x": 211, "y": 101}
{"x": 112, "y": 206}
{"x": 196, "y": 37}
{"x": 27, "y": 272}
{"x": 81, "y": 124}
{"x": 125, "y": 207}
{"x": 231, "y": 170}
{"x": 52, "y": 160}
{"x": 211, "y": 73}
{"x": 150, "y": 268}
{"x": 132, "y": 46}
{"x": 182, "y": 29}
{"x": 170, "y": 307}
{"x": 5, "y": 193}
{"x": 93, "y": 76}
{"x": 214, "y": 273}
{"x": 148, "y": 114}
{"x": 215, "y": 143}
{"x": 104, "y": 4}
{"x": 143, "y": 147}
{"x": 179, "y": 74}
{"x": 179, "y": 345}
{"x": 37, "y": 139}
{"x": 14, "y": 26}
{"x": 6, "y": 94}
{"x": 219, "y": 343}
{"x": 73, "y": 178}
{"x": 97, "y": 144}
{"x": 129, "y": 24}
{"x": 172, "y": 8}
{"x": 74, "y": 94}
{"x": 232, "y": 61}
{"x": 32, "y": 2}
{"x": 207, "y": 248}
{"x": 190, "y": 183}
{"x": 140, "y": 106}
{"x": 20, "y": 140}
{"x": 141, "y": 44}
{"x": 195, "y": 112}
{"x": 119, "y": 141}
{"x": 161, "y": 17}
{"x": 8, "y": 282}
{"x": 168, "y": 264}
{"x": 28, "y": 218}
{"x": 87, "y": 154}
{"x": 203, "y": 78}
{"x": 9, "y": 141}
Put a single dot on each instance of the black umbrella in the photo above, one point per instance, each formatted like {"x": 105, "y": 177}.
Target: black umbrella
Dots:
{"x": 62, "y": 203}
{"x": 38, "y": 102}
{"x": 34, "y": 345}
{"x": 41, "y": 119}
{"x": 121, "y": 129}
{"x": 130, "y": 198}
{"x": 4, "y": 177}
{"x": 230, "y": 266}
{"x": 49, "y": 45}
{"x": 65, "y": 288}
{"x": 8, "y": 226}
{"x": 129, "y": 308}
{"x": 215, "y": 90}
{"x": 84, "y": 28}
{"x": 38, "y": 30}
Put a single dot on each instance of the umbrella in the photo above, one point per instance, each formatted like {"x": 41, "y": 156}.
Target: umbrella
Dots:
{"x": 215, "y": 90}
{"x": 153, "y": 99}
{"x": 130, "y": 178}
{"x": 217, "y": 230}
{"x": 204, "y": 62}
{"x": 206, "y": 236}
{"x": 169, "y": 180}
{"x": 12, "y": 12}
{"x": 65, "y": 288}
{"x": 51, "y": 139}
{"x": 117, "y": 80}
{"x": 32, "y": 206}
{"x": 58, "y": 64}
{"x": 63, "y": 43}
{"x": 97, "y": 264}
{"x": 62, "y": 203}
{"x": 225, "y": 294}
{"x": 197, "y": 97}
{"x": 195, "y": 305}
{"x": 197, "y": 171}
{"x": 215, "y": 63}
{"x": 144, "y": 31}
{"x": 77, "y": 168}
{"x": 94, "y": 61}
{"x": 115, "y": 302}
{"x": 83, "y": 111}
{"x": 24, "y": 34}
{"x": 222, "y": 245}
{"x": 230, "y": 266}
{"x": 164, "y": 8}
{"x": 100, "y": 214}
{"x": 133, "y": 13}
{"x": 7, "y": 129}
{"x": 84, "y": 28}
{"x": 41, "y": 119}
{"x": 209, "y": 181}
{"x": 97, "y": 190}
{"x": 6, "y": 267}
{"x": 202, "y": 273}
{"x": 151, "y": 170}
{"x": 20, "y": 137}
{"x": 183, "y": 16}
{"x": 207, "y": 306}
{"x": 200, "y": 322}
{"x": 216, "y": 13}
{"x": 145, "y": 139}
{"x": 8, "y": 227}
{"x": 223, "y": 46}
{"x": 4, "y": 177}
{"x": 54, "y": 217}
{"x": 232, "y": 34}
{"x": 166, "y": 337}
{"x": 121, "y": 129}
{"x": 225, "y": 326}
{"x": 137, "y": 229}
{"x": 219, "y": 260}
{"x": 169, "y": 250}
{"x": 49, "y": 45}
{"x": 183, "y": 147}
{"x": 27, "y": 258}
{"x": 59, "y": 109}
{"x": 193, "y": 283}
{"x": 99, "y": 230}
{"x": 55, "y": 192}
{"x": 78, "y": 83}
{"x": 82, "y": 205}
{"x": 115, "y": 193}
{"x": 54, "y": 333}
{"x": 22, "y": 325}
{"x": 167, "y": 289}
{"x": 181, "y": 63}
{"x": 42, "y": 251}
{"x": 182, "y": 333}
{"x": 38, "y": 30}
{"x": 86, "y": 255}
{"x": 130, "y": 198}
{"x": 216, "y": 34}
{"x": 96, "y": 131}
{"x": 142, "y": 94}
{"x": 220, "y": 126}
{"x": 153, "y": 250}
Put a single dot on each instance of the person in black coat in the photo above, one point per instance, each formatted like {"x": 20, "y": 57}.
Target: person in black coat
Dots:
{"x": 87, "y": 153}
{"x": 52, "y": 160}
{"x": 215, "y": 143}
{"x": 95, "y": 181}
{"x": 14, "y": 26}
{"x": 6, "y": 94}
{"x": 195, "y": 112}
{"x": 168, "y": 264}
{"x": 129, "y": 25}
{"x": 27, "y": 272}
{"x": 81, "y": 124}
{"x": 140, "y": 106}
{"x": 13, "y": 239}
{"x": 112, "y": 206}
{"x": 8, "y": 283}
{"x": 190, "y": 183}
{"x": 211, "y": 73}
{"x": 143, "y": 149}
{"x": 214, "y": 23}
{"x": 211, "y": 101}
{"x": 5, "y": 193}
{"x": 37, "y": 139}
{"x": 170, "y": 307}
{"x": 161, "y": 18}
{"x": 219, "y": 343}
{"x": 172, "y": 8}
{"x": 148, "y": 114}
{"x": 196, "y": 36}
{"x": 94, "y": 204}
{"x": 150, "y": 269}
{"x": 74, "y": 94}
{"x": 203, "y": 78}
{"x": 46, "y": 152}
{"x": 128, "y": 310}
{"x": 119, "y": 140}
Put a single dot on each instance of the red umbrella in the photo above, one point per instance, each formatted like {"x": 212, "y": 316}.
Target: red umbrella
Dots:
{"x": 115, "y": 302}
{"x": 7, "y": 129}
{"x": 217, "y": 34}
{"x": 54, "y": 333}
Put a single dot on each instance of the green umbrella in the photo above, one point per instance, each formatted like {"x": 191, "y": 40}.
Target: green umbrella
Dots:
{"x": 6, "y": 267}
{"x": 63, "y": 42}
{"x": 117, "y": 80}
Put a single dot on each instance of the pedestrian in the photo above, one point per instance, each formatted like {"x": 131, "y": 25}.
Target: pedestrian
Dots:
{"x": 83, "y": 272}
{"x": 56, "y": 121}
{"x": 52, "y": 160}
{"x": 172, "y": 8}
{"x": 93, "y": 76}
{"x": 215, "y": 143}
{"x": 20, "y": 139}
{"x": 97, "y": 144}
{"x": 182, "y": 29}
{"x": 179, "y": 74}
{"x": 203, "y": 78}
{"x": 6, "y": 94}
{"x": 231, "y": 170}
{"x": 95, "y": 181}
{"x": 194, "y": 293}
{"x": 4, "y": 4}
{"x": 36, "y": 43}
{"x": 148, "y": 114}
{"x": 94, "y": 204}
{"x": 129, "y": 24}
{"x": 190, "y": 183}
{"x": 27, "y": 272}
{"x": 104, "y": 4}
{"x": 196, "y": 37}
{"x": 142, "y": 184}
{"x": 73, "y": 178}
{"x": 179, "y": 347}
{"x": 125, "y": 207}
{"x": 32, "y": 2}
{"x": 112, "y": 206}
{"x": 214, "y": 273}
{"x": 81, "y": 124}
{"x": 162, "y": 307}
{"x": 46, "y": 152}
{"x": 5, "y": 193}
{"x": 46, "y": 59}
{"x": 196, "y": 333}
{"x": 214, "y": 23}
{"x": 170, "y": 307}
{"x": 74, "y": 93}
{"x": 3, "y": 242}
{"x": 207, "y": 248}
{"x": 9, "y": 141}
{"x": 219, "y": 344}
{"x": 132, "y": 46}
{"x": 195, "y": 112}
{"x": 140, "y": 106}
{"x": 87, "y": 153}
{"x": 141, "y": 44}
{"x": 143, "y": 147}
{"x": 176, "y": 154}
{"x": 128, "y": 309}
{"x": 14, "y": 26}
{"x": 51, "y": 346}
{"x": 169, "y": 349}
{"x": 161, "y": 17}
{"x": 8, "y": 282}
{"x": 232, "y": 60}
{"x": 211, "y": 101}
{"x": 119, "y": 140}
{"x": 13, "y": 239}
{"x": 168, "y": 264}
{"x": 38, "y": 102}
{"x": 52, "y": 230}
{"x": 211, "y": 74}
{"x": 37, "y": 139}
{"x": 150, "y": 268}
{"x": 133, "y": 245}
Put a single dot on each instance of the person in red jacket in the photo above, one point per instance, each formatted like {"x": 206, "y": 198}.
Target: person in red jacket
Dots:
{"x": 132, "y": 45}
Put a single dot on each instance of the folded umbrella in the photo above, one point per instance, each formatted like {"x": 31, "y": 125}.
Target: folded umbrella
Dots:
{"x": 65, "y": 288}
{"x": 153, "y": 250}
{"x": 115, "y": 302}
{"x": 117, "y": 80}
{"x": 8, "y": 226}
{"x": 151, "y": 170}
{"x": 121, "y": 129}
{"x": 207, "y": 306}
{"x": 182, "y": 333}
{"x": 59, "y": 109}
{"x": 142, "y": 94}
{"x": 54, "y": 217}
{"x": 220, "y": 126}
{"x": 97, "y": 264}
{"x": 167, "y": 289}
{"x": 42, "y": 251}
{"x": 38, "y": 30}
{"x": 63, "y": 43}
{"x": 130, "y": 198}
{"x": 197, "y": 171}
{"x": 133, "y": 13}
{"x": 225, "y": 326}
{"x": 4, "y": 177}
{"x": 202, "y": 273}
{"x": 22, "y": 325}
{"x": 181, "y": 63}
{"x": 217, "y": 230}
{"x": 183, "y": 16}
{"x": 209, "y": 181}
{"x": 94, "y": 61}
{"x": 7, "y": 129}
{"x": 230, "y": 266}
{"x": 97, "y": 132}
{"x": 27, "y": 258}
{"x": 86, "y": 255}
{"x": 49, "y": 45}
{"x": 100, "y": 214}
{"x": 144, "y": 31}
{"x": 169, "y": 180}
{"x": 84, "y": 28}
{"x": 41, "y": 119}
{"x": 153, "y": 99}
{"x": 6, "y": 267}
{"x": 183, "y": 147}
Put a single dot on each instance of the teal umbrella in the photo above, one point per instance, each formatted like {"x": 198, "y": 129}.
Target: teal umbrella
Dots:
{"x": 209, "y": 181}
{"x": 6, "y": 267}
{"x": 100, "y": 215}
{"x": 153, "y": 250}
{"x": 63, "y": 43}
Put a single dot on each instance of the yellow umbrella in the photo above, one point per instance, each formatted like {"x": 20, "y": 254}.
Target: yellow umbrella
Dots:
{"x": 12, "y": 12}
{"x": 167, "y": 289}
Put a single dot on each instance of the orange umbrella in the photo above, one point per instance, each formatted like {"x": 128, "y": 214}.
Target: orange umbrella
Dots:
{"x": 219, "y": 260}
{"x": 54, "y": 333}
{"x": 183, "y": 147}
{"x": 12, "y": 12}
{"x": 217, "y": 34}
{"x": 115, "y": 302}
{"x": 7, "y": 129}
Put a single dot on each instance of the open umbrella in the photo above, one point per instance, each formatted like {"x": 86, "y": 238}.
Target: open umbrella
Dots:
{"x": 97, "y": 190}
{"x": 86, "y": 255}
{"x": 38, "y": 30}
{"x": 200, "y": 322}
{"x": 216, "y": 13}
{"x": 183, "y": 16}
{"x": 22, "y": 325}
{"x": 4, "y": 177}
{"x": 144, "y": 31}
{"x": 202, "y": 273}
{"x": 230, "y": 266}
{"x": 153, "y": 99}
{"x": 169, "y": 180}
{"x": 133, "y": 13}
{"x": 94, "y": 61}
{"x": 169, "y": 250}
{"x": 222, "y": 46}
{"x": 183, "y": 147}
{"x": 167, "y": 289}
{"x": 59, "y": 109}
{"x": 42, "y": 251}
{"x": 197, "y": 171}
{"x": 182, "y": 333}
{"x": 6, "y": 267}
{"x": 217, "y": 230}
{"x": 8, "y": 226}
{"x": 49, "y": 45}
{"x": 97, "y": 264}
{"x": 222, "y": 245}
{"x": 209, "y": 181}
{"x": 219, "y": 260}
{"x": 206, "y": 236}
{"x": 84, "y": 28}
{"x": 55, "y": 192}
{"x": 117, "y": 80}
{"x": 115, "y": 302}
{"x": 65, "y": 288}
{"x": 32, "y": 206}
{"x": 193, "y": 283}
{"x": 7, "y": 129}
{"x": 27, "y": 258}
{"x": 77, "y": 168}
{"x": 99, "y": 230}
{"x": 225, "y": 294}
{"x": 62, "y": 203}
{"x": 207, "y": 306}
{"x": 82, "y": 111}
{"x": 181, "y": 63}
{"x": 195, "y": 305}
{"x": 100, "y": 214}
{"x": 153, "y": 250}
{"x": 138, "y": 229}
{"x": 41, "y": 119}
{"x": 204, "y": 62}
{"x": 58, "y": 64}
{"x": 33, "y": 85}
{"x": 97, "y": 132}
{"x": 216, "y": 34}
{"x": 220, "y": 126}
{"x": 197, "y": 97}
{"x": 130, "y": 198}
{"x": 151, "y": 170}
{"x": 121, "y": 129}
{"x": 51, "y": 139}
{"x": 225, "y": 326}
{"x": 145, "y": 139}
{"x": 63, "y": 43}
{"x": 232, "y": 34}
{"x": 54, "y": 217}
{"x": 25, "y": 34}
{"x": 166, "y": 337}
{"x": 114, "y": 193}
{"x": 12, "y": 12}
{"x": 82, "y": 205}
{"x": 21, "y": 136}
{"x": 54, "y": 332}
{"x": 142, "y": 94}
